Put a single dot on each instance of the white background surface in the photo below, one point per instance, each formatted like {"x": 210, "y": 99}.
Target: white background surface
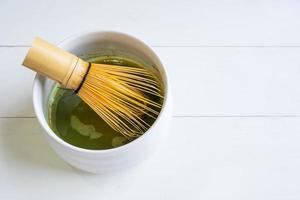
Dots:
{"x": 235, "y": 71}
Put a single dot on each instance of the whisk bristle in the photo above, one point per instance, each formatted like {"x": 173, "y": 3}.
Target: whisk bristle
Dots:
{"x": 119, "y": 94}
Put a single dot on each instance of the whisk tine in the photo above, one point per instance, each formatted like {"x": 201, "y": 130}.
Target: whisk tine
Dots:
{"x": 119, "y": 95}
{"x": 122, "y": 92}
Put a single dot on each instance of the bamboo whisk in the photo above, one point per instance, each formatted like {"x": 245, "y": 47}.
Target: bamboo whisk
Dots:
{"x": 118, "y": 94}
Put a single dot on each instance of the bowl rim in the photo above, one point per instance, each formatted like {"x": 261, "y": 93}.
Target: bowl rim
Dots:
{"x": 39, "y": 110}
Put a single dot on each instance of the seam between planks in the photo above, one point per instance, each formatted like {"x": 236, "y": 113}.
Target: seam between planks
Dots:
{"x": 236, "y": 116}
{"x": 192, "y": 46}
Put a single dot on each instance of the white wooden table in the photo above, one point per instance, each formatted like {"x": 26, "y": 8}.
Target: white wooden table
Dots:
{"x": 235, "y": 71}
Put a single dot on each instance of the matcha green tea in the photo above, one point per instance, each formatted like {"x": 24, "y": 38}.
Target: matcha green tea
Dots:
{"x": 77, "y": 124}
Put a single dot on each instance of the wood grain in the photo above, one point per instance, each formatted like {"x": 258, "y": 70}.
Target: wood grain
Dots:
{"x": 157, "y": 22}
{"x": 204, "y": 158}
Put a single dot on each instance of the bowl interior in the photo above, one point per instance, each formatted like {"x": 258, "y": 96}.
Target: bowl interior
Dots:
{"x": 99, "y": 43}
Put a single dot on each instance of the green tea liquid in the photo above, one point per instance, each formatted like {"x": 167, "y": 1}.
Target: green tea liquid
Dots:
{"x": 77, "y": 124}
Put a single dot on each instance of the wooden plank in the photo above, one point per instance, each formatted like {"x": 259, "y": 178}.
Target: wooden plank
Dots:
{"x": 16, "y": 84}
{"x": 234, "y": 81}
{"x": 157, "y": 22}
{"x": 205, "y": 81}
{"x": 203, "y": 158}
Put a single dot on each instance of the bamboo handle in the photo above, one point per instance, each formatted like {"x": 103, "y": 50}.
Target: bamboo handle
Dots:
{"x": 55, "y": 63}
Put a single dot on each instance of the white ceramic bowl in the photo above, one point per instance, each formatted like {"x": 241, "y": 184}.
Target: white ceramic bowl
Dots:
{"x": 102, "y": 161}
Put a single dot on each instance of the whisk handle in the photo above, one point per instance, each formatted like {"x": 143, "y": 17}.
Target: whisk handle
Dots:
{"x": 55, "y": 63}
